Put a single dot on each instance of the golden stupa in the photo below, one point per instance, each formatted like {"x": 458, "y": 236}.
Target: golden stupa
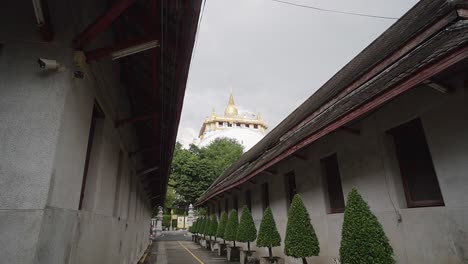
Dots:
{"x": 232, "y": 119}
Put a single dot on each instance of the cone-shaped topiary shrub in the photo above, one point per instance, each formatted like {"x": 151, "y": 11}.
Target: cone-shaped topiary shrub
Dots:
{"x": 246, "y": 232}
{"x": 300, "y": 240}
{"x": 363, "y": 239}
{"x": 268, "y": 235}
{"x": 231, "y": 227}
{"x": 195, "y": 227}
{"x": 206, "y": 228}
{"x": 222, "y": 226}
{"x": 213, "y": 226}
{"x": 201, "y": 228}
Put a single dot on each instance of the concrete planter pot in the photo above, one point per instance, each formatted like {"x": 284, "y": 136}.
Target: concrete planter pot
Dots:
{"x": 214, "y": 245}
{"x": 233, "y": 253}
{"x": 202, "y": 242}
{"x": 248, "y": 257}
{"x": 208, "y": 244}
{"x": 222, "y": 249}
{"x": 273, "y": 260}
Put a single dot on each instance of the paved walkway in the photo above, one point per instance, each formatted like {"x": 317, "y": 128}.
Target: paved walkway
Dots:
{"x": 176, "y": 247}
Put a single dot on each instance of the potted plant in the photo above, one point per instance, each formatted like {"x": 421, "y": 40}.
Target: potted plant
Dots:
{"x": 301, "y": 240}
{"x": 201, "y": 229}
{"x": 363, "y": 239}
{"x": 230, "y": 234}
{"x": 206, "y": 232}
{"x": 212, "y": 232}
{"x": 269, "y": 237}
{"x": 195, "y": 231}
{"x": 246, "y": 233}
{"x": 220, "y": 233}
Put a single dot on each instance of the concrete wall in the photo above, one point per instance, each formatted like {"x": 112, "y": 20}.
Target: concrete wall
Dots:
{"x": 368, "y": 162}
{"x": 45, "y": 122}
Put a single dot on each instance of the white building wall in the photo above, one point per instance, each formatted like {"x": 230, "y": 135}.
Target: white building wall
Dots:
{"x": 368, "y": 163}
{"x": 45, "y": 122}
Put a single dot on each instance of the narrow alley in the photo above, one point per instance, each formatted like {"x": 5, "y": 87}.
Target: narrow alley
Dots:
{"x": 176, "y": 247}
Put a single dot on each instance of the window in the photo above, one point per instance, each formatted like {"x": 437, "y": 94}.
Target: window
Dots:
{"x": 238, "y": 124}
{"x": 248, "y": 200}
{"x": 255, "y": 126}
{"x": 417, "y": 170}
{"x": 332, "y": 182}
{"x": 220, "y": 124}
{"x": 229, "y": 124}
{"x": 96, "y": 124}
{"x": 265, "y": 196}
{"x": 118, "y": 183}
{"x": 226, "y": 205}
{"x": 235, "y": 204}
{"x": 291, "y": 190}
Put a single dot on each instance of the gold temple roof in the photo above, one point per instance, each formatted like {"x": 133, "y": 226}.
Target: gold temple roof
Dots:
{"x": 233, "y": 119}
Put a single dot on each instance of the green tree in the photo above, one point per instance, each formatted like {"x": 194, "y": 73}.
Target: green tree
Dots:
{"x": 231, "y": 227}
{"x": 194, "y": 228}
{"x": 166, "y": 221}
{"x": 363, "y": 239}
{"x": 222, "y": 226}
{"x": 206, "y": 228}
{"x": 201, "y": 228}
{"x": 193, "y": 170}
{"x": 246, "y": 232}
{"x": 213, "y": 226}
{"x": 268, "y": 235}
{"x": 301, "y": 240}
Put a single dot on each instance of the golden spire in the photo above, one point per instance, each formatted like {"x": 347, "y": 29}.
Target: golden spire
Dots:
{"x": 231, "y": 109}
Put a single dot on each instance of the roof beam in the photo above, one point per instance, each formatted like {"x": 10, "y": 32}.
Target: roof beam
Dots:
{"x": 132, "y": 120}
{"x": 437, "y": 86}
{"x": 145, "y": 171}
{"x": 122, "y": 49}
{"x": 101, "y": 23}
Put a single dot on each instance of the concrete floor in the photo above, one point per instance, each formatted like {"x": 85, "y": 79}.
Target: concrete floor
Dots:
{"x": 176, "y": 247}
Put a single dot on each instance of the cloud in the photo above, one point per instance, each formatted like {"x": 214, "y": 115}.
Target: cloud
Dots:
{"x": 274, "y": 56}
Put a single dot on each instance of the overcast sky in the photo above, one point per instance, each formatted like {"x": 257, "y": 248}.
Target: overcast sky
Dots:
{"x": 274, "y": 56}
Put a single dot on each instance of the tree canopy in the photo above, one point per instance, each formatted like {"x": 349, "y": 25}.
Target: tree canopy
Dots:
{"x": 246, "y": 232}
{"x": 231, "y": 227}
{"x": 194, "y": 169}
{"x": 213, "y": 226}
{"x": 301, "y": 240}
{"x": 363, "y": 239}
{"x": 222, "y": 225}
{"x": 268, "y": 235}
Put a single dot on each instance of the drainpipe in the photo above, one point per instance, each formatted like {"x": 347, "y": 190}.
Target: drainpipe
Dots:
{"x": 42, "y": 17}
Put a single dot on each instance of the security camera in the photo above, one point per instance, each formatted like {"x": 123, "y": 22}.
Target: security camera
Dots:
{"x": 48, "y": 64}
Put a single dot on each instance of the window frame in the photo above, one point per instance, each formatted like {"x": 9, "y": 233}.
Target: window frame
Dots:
{"x": 326, "y": 179}
{"x": 290, "y": 192}
{"x": 407, "y": 189}
{"x": 248, "y": 199}
{"x": 96, "y": 114}
{"x": 265, "y": 196}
